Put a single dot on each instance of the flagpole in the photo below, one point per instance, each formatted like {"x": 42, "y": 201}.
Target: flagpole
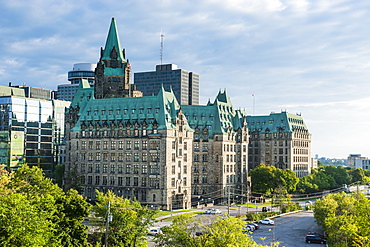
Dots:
{"x": 254, "y": 105}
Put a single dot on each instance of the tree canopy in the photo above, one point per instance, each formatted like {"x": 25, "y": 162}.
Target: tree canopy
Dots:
{"x": 344, "y": 218}
{"x": 130, "y": 220}
{"x": 36, "y": 212}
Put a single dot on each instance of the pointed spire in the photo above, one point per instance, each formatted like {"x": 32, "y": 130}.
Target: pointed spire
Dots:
{"x": 113, "y": 45}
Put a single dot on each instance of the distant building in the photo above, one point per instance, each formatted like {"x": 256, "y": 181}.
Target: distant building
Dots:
{"x": 184, "y": 84}
{"x": 281, "y": 140}
{"x": 80, "y": 71}
{"x": 352, "y": 158}
{"x": 31, "y": 126}
{"x": 363, "y": 163}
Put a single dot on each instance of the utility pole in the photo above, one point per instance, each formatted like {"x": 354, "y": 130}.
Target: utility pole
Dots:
{"x": 228, "y": 201}
{"x": 109, "y": 218}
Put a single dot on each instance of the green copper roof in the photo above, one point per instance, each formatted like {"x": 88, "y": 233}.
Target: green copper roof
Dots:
{"x": 218, "y": 117}
{"x": 112, "y": 43}
{"x": 286, "y": 122}
{"x": 161, "y": 110}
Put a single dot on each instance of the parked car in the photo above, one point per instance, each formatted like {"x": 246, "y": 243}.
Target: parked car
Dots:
{"x": 264, "y": 209}
{"x": 266, "y": 222}
{"x": 155, "y": 232}
{"x": 213, "y": 211}
{"x": 208, "y": 211}
{"x": 315, "y": 238}
{"x": 216, "y": 211}
{"x": 249, "y": 228}
{"x": 254, "y": 224}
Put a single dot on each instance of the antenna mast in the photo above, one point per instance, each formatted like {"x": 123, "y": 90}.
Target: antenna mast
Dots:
{"x": 161, "y": 50}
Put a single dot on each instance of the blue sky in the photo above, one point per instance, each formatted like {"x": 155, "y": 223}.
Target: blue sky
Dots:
{"x": 302, "y": 56}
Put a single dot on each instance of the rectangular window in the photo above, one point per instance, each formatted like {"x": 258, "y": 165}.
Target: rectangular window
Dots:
{"x": 144, "y": 157}
{"x": 145, "y": 145}
{"x": 83, "y": 145}
{"x": 173, "y": 169}
{"x": 105, "y": 144}
{"x": 185, "y": 169}
{"x": 97, "y": 180}
{"x": 112, "y": 168}
{"x": 90, "y": 168}
{"x": 113, "y": 145}
{"x": 136, "y": 169}
{"x": 120, "y": 145}
{"x": 128, "y": 157}
{"x": 128, "y": 181}
{"x": 136, "y": 157}
{"x": 143, "y": 182}
{"x": 128, "y": 169}
{"x": 136, "y": 145}
{"x": 97, "y": 168}
{"x": 120, "y": 156}
{"x": 120, "y": 180}
{"x": 98, "y": 145}
{"x": 105, "y": 180}
{"x": 128, "y": 145}
{"x": 113, "y": 156}
{"x": 105, "y": 156}
{"x": 136, "y": 181}
{"x": 91, "y": 144}
{"x": 144, "y": 169}
{"x": 98, "y": 156}
{"x": 105, "y": 168}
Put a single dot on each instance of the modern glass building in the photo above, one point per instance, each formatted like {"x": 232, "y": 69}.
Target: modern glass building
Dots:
{"x": 184, "y": 84}
{"x": 30, "y": 127}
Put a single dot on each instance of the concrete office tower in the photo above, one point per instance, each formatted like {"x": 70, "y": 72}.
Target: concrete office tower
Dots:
{"x": 80, "y": 71}
{"x": 183, "y": 83}
{"x": 281, "y": 140}
{"x": 31, "y": 127}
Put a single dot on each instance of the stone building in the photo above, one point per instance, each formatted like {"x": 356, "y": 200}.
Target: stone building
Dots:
{"x": 137, "y": 147}
{"x": 281, "y": 140}
{"x": 113, "y": 71}
{"x": 220, "y": 149}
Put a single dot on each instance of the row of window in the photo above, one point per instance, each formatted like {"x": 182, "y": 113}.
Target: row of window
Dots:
{"x": 120, "y": 145}
{"x": 112, "y": 157}
{"x": 128, "y": 169}
{"x": 120, "y": 181}
{"x": 119, "y": 111}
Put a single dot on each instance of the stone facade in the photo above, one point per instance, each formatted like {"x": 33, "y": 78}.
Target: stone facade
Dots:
{"x": 282, "y": 140}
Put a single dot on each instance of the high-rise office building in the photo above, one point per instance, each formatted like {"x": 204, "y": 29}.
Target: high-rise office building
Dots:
{"x": 31, "y": 126}
{"x": 184, "y": 84}
{"x": 80, "y": 71}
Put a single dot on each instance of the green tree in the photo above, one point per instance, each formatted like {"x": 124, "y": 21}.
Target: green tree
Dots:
{"x": 61, "y": 212}
{"x": 344, "y": 218}
{"x": 267, "y": 178}
{"x": 224, "y": 231}
{"x": 358, "y": 175}
{"x": 22, "y": 223}
{"x": 130, "y": 220}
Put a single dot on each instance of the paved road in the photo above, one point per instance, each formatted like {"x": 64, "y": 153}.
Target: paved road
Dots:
{"x": 289, "y": 230}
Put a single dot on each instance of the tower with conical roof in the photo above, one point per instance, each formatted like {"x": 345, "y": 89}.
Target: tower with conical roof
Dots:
{"x": 112, "y": 73}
